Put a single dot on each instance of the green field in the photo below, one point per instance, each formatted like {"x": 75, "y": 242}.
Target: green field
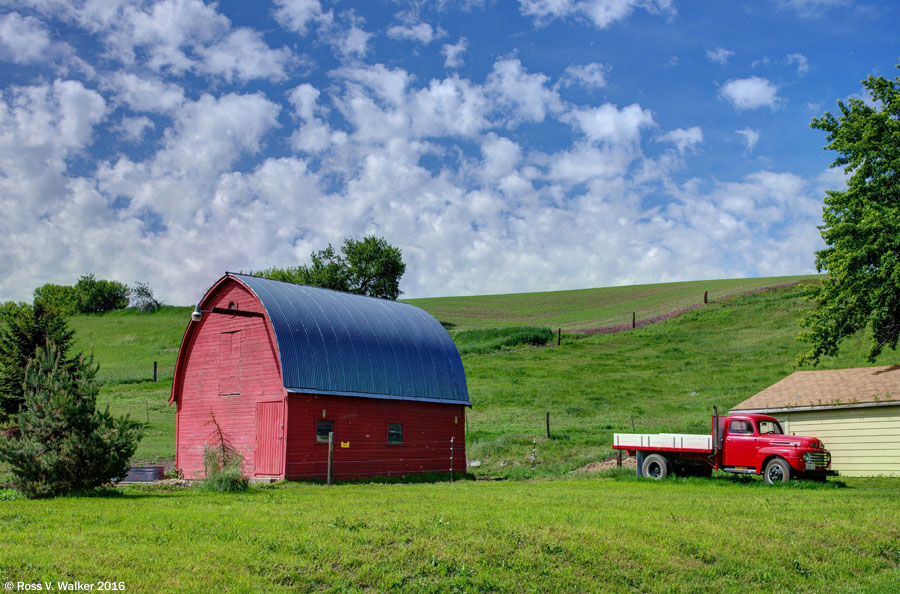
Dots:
{"x": 664, "y": 377}
{"x": 564, "y": 532}
{"x": 585, "y": 308}
{"x": 587, "y": 535}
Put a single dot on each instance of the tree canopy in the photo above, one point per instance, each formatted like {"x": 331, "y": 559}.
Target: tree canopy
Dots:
{"x": 64, "y": 443}
{"x": 370, "y": 266}
{"x": 861, "y": 227}
{"x": 22, "y": 333}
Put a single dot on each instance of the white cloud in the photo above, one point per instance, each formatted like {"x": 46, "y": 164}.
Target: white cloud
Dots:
{"x": 304, "y": 98}
{"x": 421, "y": 32}
{"x": 602, "y": 13}
{"x": 353, "y": 42}
{"x": 683, "y": 139}
{"x": 133, "y": 128}
{"x": 589, "y": 76}
{"x": 453, "y": 53}
{"x": 751, "y": 137}
{"x": 24, "y": 40}
{"x": 609, "y": 124}
{"x": 750, "y": 93}
{"x": 144, "y": 94}
{"x": 526, "y": 94}
{"x": 297, "y": 14}
{"x": 243, "y": 55}
{"x": 801, "y": 62}
{"x": 720, "y": 55}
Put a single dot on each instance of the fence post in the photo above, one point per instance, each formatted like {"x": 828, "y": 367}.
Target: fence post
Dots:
{"x": 619, "y": 458}
{"x": 533, "y": 457}
{"x": 558, "y": 336}
{"x": 705, "y": 297}
{"x": 154, "y": 371}
{"x": 451, "y": 459}
{"x": 639, "y": 458}
{"x": 633, "y": 320}
{"x": 330, "y": 456}
{"x": 147, "y": 404}
{"x": 548, "y": 424}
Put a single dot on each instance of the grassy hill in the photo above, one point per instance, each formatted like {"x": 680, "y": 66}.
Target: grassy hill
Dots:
{"x": 664, "y": 377}
{"x": 585, "y": 308}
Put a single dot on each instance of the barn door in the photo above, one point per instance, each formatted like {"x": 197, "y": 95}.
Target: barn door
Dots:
{"x": 269, "y": 437}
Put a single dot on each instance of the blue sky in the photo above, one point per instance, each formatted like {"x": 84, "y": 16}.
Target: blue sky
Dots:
{"x": 504, "y": 146}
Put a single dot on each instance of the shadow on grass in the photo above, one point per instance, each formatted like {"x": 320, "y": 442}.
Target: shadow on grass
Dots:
{"x": 722, "y": 479}
{"x": 406, "y": 479}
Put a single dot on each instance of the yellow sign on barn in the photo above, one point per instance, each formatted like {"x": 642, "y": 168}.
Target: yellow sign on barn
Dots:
{"x": 345, "y": 444}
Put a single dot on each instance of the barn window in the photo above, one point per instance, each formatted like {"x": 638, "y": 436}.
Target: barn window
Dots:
{"x": 230, "y": 363}
{"x": 323, "y": 428}
{"x": 395, "y": 433}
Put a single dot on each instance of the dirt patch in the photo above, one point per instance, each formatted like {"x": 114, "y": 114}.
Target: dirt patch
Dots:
{"x": 627, "y": 462}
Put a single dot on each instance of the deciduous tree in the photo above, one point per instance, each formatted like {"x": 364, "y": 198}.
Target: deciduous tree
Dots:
{"x": 861, "y": 227}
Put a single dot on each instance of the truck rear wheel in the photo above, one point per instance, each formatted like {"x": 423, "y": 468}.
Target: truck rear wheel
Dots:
{"x": 655, "y": 467}
{"x": 777, "y": 470}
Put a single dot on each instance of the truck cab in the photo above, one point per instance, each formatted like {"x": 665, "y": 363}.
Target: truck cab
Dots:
{"x": 754, "y": 443}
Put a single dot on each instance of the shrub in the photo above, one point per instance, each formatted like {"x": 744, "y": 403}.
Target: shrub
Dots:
{"x": 222, "y": 463}
{"x": 66, "y": 445}
{"x": 495, "y": 339}
{"x": 62, "y": 298}
{"x": 98, "y": 296}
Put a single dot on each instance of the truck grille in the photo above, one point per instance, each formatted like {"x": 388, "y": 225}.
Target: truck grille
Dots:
{"x": 816, "y": 460}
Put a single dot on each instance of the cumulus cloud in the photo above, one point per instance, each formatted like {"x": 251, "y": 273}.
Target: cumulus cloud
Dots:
{"x": 443, "y": 165}
{"x": 297, "y": 14}
{"x": 683, "y": 139}
{"x": 602, "y": 13}
{"x": 720, "y": 55}
{"x": 750, "y": 136}
{"x": 421, "y": 32}
{"x": 750, "y": 93}
{"x": 526, "y": 94}
{"x": 589, "y": 76}
{"x": 23, "y": 39}
{"x": 453, "y": 53}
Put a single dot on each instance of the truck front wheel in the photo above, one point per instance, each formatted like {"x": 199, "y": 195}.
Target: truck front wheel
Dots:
{"x": 655, "y": 466}
{"x": 777, "y": 470}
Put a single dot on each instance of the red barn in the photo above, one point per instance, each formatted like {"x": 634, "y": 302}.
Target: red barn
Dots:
{"x": 281, "y": 365}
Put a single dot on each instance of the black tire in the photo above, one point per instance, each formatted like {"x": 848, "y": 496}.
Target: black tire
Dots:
{"x": 655, "y": 466}
{"x": 777, "y": 470}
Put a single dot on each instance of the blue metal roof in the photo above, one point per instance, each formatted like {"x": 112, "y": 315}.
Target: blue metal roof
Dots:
{"x": 339, "y": 343}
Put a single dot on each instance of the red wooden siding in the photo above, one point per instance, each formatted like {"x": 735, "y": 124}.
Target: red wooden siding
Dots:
{"x": 244, "y": 365}
{"x": 230, "y": 363}
{"x": 270, "y": 438}
{"x": 361, "y": 425}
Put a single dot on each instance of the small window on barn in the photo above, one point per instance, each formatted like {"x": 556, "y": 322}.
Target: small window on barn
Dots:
{"x": 395, "y": 433}
{"x": 323, "y": 428}
{"x": 741, "y": 428}
{"x": 232, "y": 305}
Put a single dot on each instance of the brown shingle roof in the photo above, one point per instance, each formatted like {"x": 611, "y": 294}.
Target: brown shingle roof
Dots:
{"x": 828, "y": 388}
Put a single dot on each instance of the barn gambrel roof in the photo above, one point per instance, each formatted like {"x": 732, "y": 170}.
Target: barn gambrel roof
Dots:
{"x": 339, "y": 343}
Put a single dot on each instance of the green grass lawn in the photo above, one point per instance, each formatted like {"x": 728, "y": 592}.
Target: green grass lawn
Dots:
{"x": 586, "y": 535}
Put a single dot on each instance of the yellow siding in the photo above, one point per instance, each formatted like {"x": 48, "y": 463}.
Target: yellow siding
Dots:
{"x": 862, "y": 441}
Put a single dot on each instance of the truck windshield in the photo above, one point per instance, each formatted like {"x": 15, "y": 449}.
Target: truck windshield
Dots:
{"x": 770, "y": 428}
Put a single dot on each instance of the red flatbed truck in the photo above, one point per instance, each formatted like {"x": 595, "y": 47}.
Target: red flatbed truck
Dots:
{"x": 742, "y": 444}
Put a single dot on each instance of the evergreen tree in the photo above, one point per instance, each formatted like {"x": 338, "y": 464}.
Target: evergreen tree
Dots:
{"x": 21, "y": 334}
{"x": 65, "y": 444}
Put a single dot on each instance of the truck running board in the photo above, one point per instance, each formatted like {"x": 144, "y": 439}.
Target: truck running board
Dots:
{"x": 739, "y": 470}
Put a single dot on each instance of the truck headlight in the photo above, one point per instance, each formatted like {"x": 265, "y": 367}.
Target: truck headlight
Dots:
{"x": 806, "y": 457}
